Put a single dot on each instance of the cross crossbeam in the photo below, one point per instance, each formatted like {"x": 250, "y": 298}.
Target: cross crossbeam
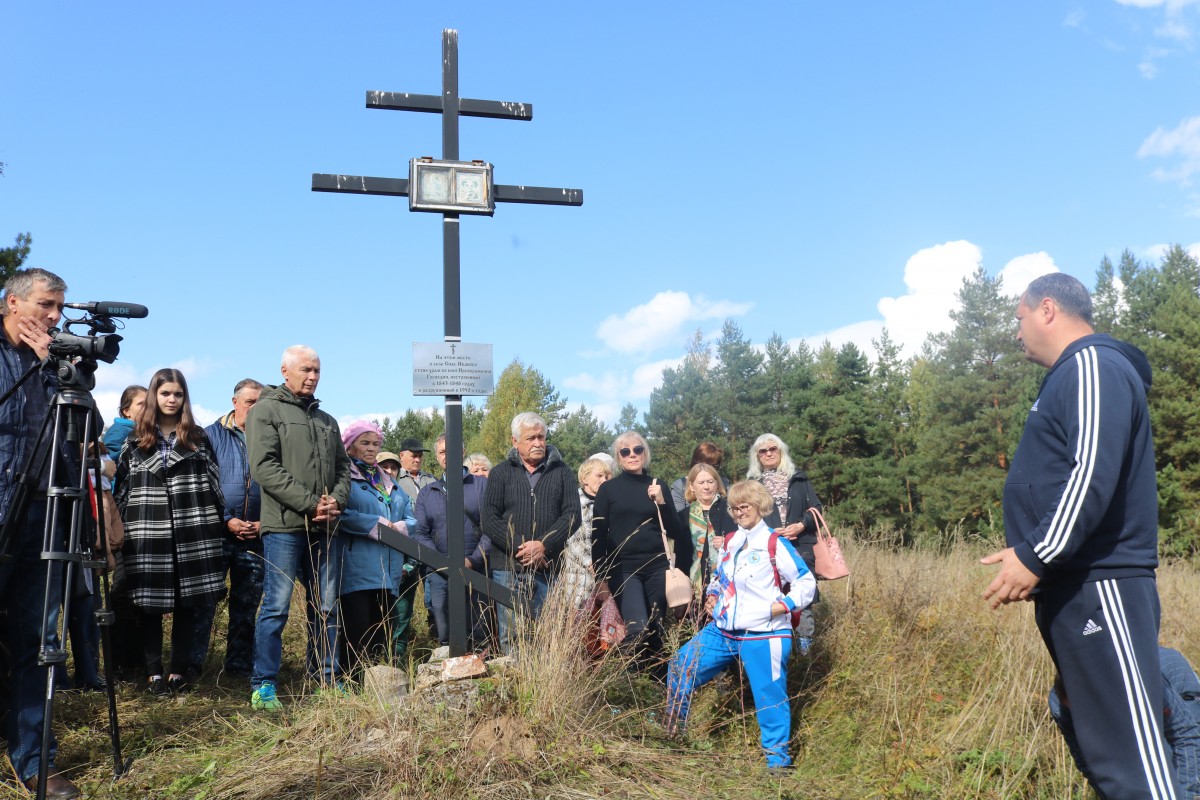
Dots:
{"x": 432, "y": 104}
{"x": 398, "y": 187}
{"x": 451, "y": 107}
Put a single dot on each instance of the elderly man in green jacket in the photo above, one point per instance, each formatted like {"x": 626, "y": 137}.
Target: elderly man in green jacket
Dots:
{"x": 297, "y": 459}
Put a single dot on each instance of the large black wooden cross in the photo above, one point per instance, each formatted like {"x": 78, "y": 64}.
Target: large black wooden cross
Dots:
{"x": 451, "y": 107}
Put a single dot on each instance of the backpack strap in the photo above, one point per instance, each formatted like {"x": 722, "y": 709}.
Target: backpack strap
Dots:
{"x": 772, "y": 545}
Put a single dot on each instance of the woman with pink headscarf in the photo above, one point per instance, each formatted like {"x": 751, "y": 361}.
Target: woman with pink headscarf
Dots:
{"x": 368, "y": 571}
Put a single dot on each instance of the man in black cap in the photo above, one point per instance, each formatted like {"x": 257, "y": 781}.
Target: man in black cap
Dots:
{"x": 410, "y": 479}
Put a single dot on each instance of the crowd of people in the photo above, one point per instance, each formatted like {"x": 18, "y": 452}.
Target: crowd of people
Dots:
{"x": 275, "y": 492}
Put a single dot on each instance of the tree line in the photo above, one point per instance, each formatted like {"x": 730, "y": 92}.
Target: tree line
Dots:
{"x": 908, "y": 449}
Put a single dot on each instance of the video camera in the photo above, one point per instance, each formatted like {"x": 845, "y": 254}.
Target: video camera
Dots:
{"x": 78, "y": 355}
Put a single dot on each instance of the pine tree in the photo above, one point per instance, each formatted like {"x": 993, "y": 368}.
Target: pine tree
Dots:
{"x": 579, "y": 435}
{"x": 1162, "y": 317}
{"x": 739, "y": 390}
{"x": 970, "y": 419}
{"x": 11, "y": 258}
{"x": 519, "y": 389}
{"x": 424, "y": 425}
{"x": 888, "y": 486}
{"x": 681, "y": 412}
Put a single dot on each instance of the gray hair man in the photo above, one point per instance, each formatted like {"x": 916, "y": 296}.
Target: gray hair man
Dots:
{"x": 33, "y": 302}
{"x": 530, "y": 508}
{"x": 297, "y": 458}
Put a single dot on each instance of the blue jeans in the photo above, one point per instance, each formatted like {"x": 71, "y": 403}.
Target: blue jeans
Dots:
{"x": 292, "y": 556}
{"x": 23, "y": 593}
{"x": 530, "y": 588}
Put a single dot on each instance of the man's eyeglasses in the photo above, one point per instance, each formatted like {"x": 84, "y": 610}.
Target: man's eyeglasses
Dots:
{"x": 636, "y": 450}
{"x": 765, "y": 450}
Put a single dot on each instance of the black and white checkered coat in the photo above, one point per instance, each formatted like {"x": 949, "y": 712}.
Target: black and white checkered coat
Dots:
{"x": 173, "y": 525}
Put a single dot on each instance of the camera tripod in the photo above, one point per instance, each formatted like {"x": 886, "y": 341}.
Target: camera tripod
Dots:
{"x": 67, "y": 438}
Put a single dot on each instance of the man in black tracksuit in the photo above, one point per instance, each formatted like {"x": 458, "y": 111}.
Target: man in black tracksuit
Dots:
{"x": 530, "y": 507}
{"x": 1081, "y": 520}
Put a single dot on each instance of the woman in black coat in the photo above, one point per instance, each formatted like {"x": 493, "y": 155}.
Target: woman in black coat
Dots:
{"x": 169, "y": 494}
{"x": 631, "y": 514}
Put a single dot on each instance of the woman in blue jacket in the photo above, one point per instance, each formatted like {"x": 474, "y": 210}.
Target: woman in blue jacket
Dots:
{"x": 368, "y": 571}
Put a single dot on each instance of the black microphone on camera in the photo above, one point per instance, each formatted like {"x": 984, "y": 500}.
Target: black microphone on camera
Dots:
{"x": 111, "y": 308}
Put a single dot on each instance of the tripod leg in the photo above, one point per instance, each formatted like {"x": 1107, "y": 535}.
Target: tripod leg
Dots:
{"x": 105, "y": 617}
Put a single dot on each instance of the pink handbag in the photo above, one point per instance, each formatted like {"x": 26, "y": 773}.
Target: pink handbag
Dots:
{"x": 827, "y": 552}
{"x": 679, "y": 589}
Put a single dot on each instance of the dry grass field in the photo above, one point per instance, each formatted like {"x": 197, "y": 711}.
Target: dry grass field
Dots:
{"x": 915, "y": 689}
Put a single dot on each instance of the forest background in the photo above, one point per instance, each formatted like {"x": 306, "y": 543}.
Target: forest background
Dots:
{"x": 915, "y": 448}
{"x": 911, "y": 449}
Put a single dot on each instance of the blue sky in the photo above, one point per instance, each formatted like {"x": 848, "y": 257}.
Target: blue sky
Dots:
{"x": 812, "y": 169}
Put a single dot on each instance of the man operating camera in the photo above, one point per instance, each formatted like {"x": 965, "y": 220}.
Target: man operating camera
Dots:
{"x": 32, "y": 305}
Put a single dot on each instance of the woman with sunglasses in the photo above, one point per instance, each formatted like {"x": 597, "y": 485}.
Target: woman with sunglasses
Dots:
{"x": 771, "y": 465}
{"x": 628, "y": 521}
{"x": 750, "y": 622}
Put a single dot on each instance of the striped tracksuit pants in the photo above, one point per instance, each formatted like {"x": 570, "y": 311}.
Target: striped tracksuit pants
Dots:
{"x": 1103, "y": 637}
{"x": 764, "y": 656}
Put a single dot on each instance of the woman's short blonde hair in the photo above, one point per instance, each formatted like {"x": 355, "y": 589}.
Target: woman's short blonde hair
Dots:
{"x": 592, "y": 466}
{"x": 752, "y": 493}
{"x": 694, "y": 473}
{"x": 630, "y": 439}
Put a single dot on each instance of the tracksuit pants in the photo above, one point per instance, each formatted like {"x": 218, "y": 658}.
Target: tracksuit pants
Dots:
{"x": 764, "y": 656}
{"x": 1103, "y": 637}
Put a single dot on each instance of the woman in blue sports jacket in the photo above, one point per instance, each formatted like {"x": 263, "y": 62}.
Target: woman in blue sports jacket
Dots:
{"x": 368, "y": 572}
{"x": 750, "y": 621}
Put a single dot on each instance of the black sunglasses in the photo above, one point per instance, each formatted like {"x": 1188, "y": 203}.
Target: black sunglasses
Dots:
{"x": 637, "y": 451}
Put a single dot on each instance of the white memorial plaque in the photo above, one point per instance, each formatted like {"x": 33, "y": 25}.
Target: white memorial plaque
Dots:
{"x": 452, "y": 368}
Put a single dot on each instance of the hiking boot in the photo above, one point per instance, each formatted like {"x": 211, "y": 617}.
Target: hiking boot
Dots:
{"x": 157, "y": 686}
{"x": 264, "y": 698}
{"x": 57, "y": 787}
{"x": 177, "y": 683}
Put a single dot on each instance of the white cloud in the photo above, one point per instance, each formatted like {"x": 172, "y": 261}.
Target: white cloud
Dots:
{"x": 933, "y": 276}
{"x": 1018, "y": 273}
{"x": 1075, "y": 18}
{"x": 192, "y": 368}
{"x": 1173, "y": 25}
{"x": 111, "y": 380}
{"x": 205, "y": 416}
{"x": 1174, "y": 29}
{"x": 1172, "y": 6}
{"x": 1182, "y": 143}
{"x": 660, "y": 322}
{"x": 1156, "y": 252}
{"x": 1148, "y": 69}
{"x": 612, "y": 390}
